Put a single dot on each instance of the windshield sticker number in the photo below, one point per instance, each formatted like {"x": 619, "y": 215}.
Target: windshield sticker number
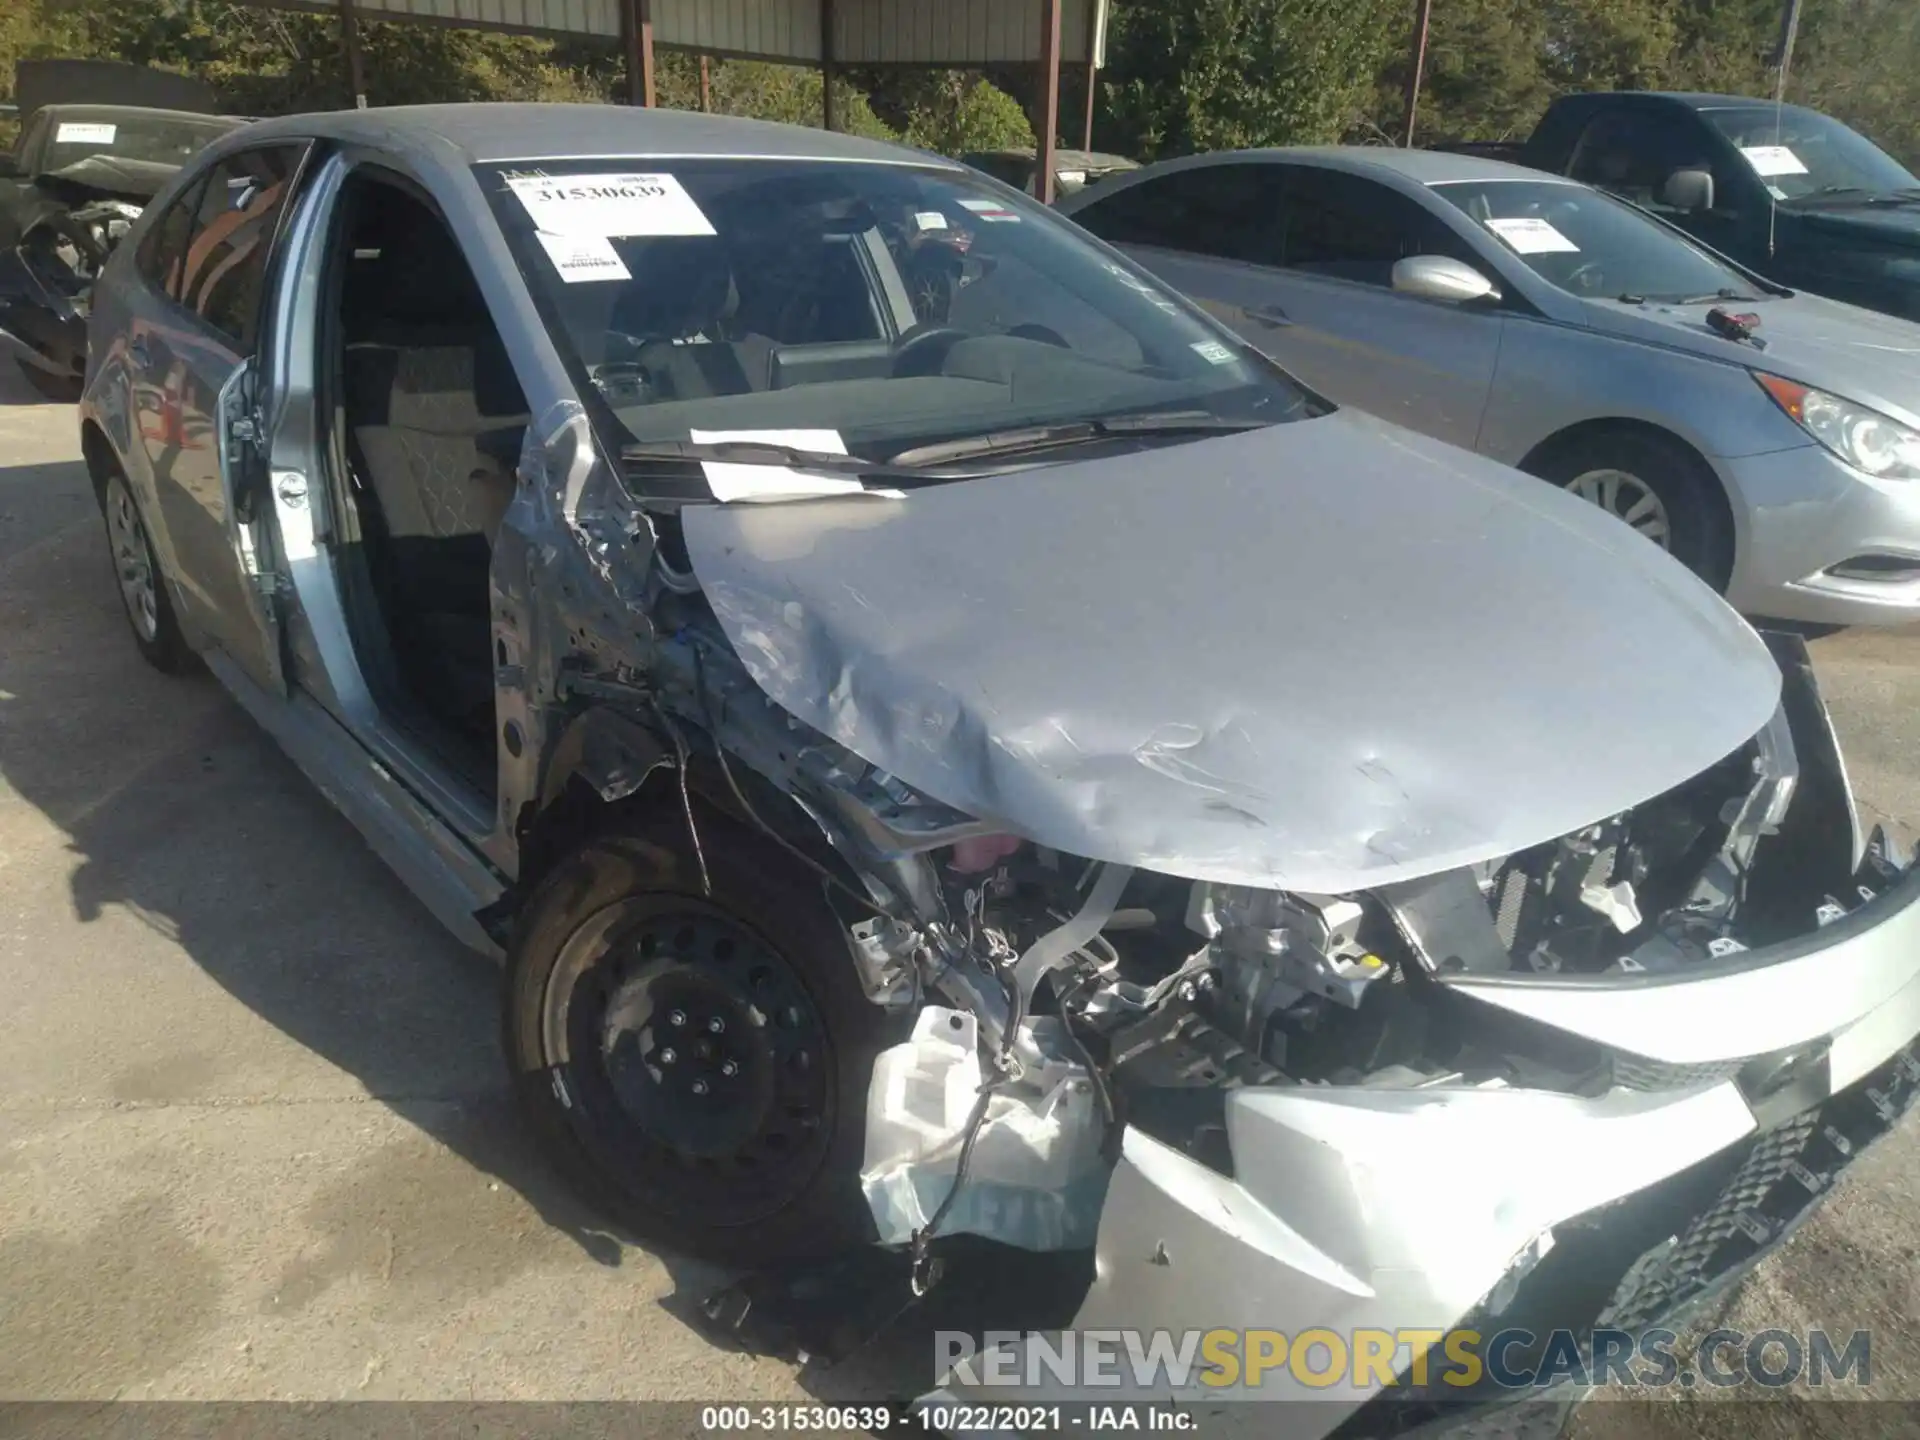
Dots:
{"x": 929, "y": 220}
{"x": 580, "y": 258}
{"x": 607, "y": 205}
{"x": 774, "y": 482}
{"x": 74, "y": 133}
{"x": 992, "y": 211}
{"x": 1771, "y": 160}
{"x": 1530, "y": 235}
{"x": 1213, "y": 352}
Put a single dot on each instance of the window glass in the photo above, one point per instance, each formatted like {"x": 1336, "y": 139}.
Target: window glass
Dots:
{"x": 223, "y": 272}
{"x": 165, "y": 244}
{"x": 1801, "y": 155}
{"x": 1349, "y": 228}
{"x": 895, "y": 305}
{"x": 1227, "y": 211}
{"x": 1591, "y": 245}
{"x": 1634, "y": 154}
{"x": 84, "y": 132}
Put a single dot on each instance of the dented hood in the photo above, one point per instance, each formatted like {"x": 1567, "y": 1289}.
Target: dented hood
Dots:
{"x": 1320, "y": 656}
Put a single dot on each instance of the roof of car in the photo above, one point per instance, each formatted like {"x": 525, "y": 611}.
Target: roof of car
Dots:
{"x": 1423, "y": 167}
{"x": 498, "y": 132}
{"x": 1692, "y": 99}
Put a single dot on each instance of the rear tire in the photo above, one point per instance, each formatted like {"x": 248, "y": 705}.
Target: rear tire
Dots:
{"x": 696, "y": 1065}
{"x": 61, "y": 389}
{"x": 1656, "y": 485}
{"x": 143, "y": 588}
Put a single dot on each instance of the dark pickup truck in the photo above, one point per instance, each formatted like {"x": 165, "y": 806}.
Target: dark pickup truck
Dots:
{"x": 1788, "y": 192}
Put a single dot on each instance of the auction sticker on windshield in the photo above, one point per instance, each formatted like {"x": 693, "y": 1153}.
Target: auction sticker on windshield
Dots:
{"x": 75, "y": 133}
{"x": 579, "y": 258}
{"x": 607, "y": 205}
{"x": 1771, "y": 160}
{"x": 1530, "y": 235}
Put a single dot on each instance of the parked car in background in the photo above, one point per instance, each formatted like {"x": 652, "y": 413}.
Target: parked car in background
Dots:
{"x": 1557, "y": 329}
{"x": 1037, "y": 772}
{"x": 76, "y": 178}
{"x": 1073, "y": 170}
{"x": 1784, "y": 190}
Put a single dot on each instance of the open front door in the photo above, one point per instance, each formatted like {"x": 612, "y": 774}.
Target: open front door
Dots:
{"x": 255, "y": 638}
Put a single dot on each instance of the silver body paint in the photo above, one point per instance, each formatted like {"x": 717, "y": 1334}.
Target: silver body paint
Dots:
{"x": 1325, "y": 656}
{"x": 1508, "y": 381}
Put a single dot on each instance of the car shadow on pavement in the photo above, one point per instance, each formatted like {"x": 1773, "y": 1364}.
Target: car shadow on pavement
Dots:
{"x": 176, "y": 810}
{"x": 165, "y": 814}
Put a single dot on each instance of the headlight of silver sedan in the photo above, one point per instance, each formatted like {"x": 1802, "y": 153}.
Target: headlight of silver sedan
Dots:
{"x": 1865, "y": 439}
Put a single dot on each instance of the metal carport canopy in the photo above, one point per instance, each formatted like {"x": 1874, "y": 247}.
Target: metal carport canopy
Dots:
{"x": 957, "y": 34}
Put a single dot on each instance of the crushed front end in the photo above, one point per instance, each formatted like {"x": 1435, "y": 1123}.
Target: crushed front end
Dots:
{"x": 1586, "y": 1085}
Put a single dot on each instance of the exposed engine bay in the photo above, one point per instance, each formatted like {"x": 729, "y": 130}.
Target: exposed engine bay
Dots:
{"x": 1056, "y": 1000}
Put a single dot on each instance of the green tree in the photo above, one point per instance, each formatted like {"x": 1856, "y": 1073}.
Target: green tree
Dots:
{"x": 1189, "y": 75}
{"x": 790, "y": 94}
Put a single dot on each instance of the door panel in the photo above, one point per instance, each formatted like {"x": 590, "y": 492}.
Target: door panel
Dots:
{"x": 199, "y": 409}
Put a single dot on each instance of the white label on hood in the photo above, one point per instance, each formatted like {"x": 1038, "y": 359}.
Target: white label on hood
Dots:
{"x": 1771, "y": 160}
{"x": 1529, "y": 235}
{"x": 774, "y": 482}
{"x": 75, "y": 133}
{"x": 580, "y": 258}
{"x": 606, "y": 205}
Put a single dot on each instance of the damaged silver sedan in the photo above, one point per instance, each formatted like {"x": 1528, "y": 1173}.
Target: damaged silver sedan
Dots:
{"x": 949, "y": 740}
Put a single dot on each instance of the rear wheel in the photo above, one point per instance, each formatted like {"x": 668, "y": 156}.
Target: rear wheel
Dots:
{"x": 143, "y": 591}
{"x": 697, "y": 1064}
{"x": 1653, "y": 484}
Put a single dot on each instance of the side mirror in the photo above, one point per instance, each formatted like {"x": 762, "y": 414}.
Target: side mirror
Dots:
{"x": 1439, "y": 277}
{"x": 1688, "y": 191}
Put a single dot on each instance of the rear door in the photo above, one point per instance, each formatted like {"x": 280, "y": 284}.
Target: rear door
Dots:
{"x": 200, "y": 388}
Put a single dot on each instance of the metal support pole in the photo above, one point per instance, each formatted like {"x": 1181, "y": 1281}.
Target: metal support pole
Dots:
{"x": 350, "y": 42}
{"x": 636, "y": 26}
{"x": 1093, "y": 90}
{"x": 829, "y": 112}
{"x": 1049, "y": 96}
{"x": 706, "y": 86}
{"x": 1422, "y": 20}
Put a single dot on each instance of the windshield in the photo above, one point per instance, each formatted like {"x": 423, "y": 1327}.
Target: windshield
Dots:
{"x": 1594, "y": 246}
{"x": 165, "y": 140}
{"x": 879, "y": 308}
{"x": 1804, "y": 155}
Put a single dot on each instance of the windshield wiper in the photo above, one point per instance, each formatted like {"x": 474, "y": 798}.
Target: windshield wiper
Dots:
{"x": 1725, "y": 293}
{"x": 1075, "y": 432}
{"x": 764, "y": 452}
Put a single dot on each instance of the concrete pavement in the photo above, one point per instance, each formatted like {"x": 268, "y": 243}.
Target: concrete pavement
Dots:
{"x": 254, "y": 1141}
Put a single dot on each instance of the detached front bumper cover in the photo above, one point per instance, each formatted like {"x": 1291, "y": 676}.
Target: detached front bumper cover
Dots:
{"x": 1367, "y": 1208}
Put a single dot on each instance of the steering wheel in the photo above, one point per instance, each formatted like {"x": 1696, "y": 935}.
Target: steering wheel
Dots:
{"x": 923, "y": 349}
{"x": 1586, "y": 278}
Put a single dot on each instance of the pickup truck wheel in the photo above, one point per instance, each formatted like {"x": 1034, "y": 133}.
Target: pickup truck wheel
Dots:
{"x": 697, "y": 1064}
{"x": 63, "y": 389}
{"x": 143, "y": 590}
{"x": 1655, "y": 485}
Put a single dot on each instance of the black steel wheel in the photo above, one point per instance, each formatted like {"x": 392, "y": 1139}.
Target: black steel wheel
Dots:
{"x": 698, "y": 1064}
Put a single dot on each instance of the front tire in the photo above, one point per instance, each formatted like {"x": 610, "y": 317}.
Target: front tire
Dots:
{"x": 143, "y": 589}
{"x": 1657, "y": 486}
{"x": 697, "y": 1065}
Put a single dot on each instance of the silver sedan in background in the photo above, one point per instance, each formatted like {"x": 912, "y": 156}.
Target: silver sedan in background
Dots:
{"x": 1769, "y": 439}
